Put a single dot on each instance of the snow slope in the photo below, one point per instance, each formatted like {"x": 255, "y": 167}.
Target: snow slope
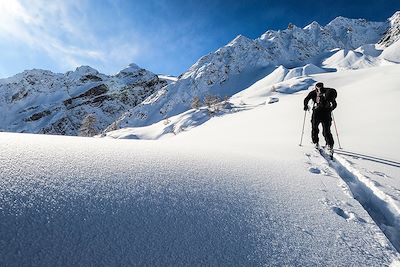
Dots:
{"x": 392, "y": 53}
{"x": 236, "y": 190}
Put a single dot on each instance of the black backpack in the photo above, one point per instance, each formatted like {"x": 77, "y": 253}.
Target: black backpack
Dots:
{"x": 324, "y": 99}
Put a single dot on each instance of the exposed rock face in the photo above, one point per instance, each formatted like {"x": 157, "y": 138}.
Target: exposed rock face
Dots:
{"x": 39, "y": 101}
{"x": 392, "y": 35}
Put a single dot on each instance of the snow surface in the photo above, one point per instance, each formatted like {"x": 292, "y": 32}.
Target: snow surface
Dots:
{"x": 392, "y": 53}
{"x": 216, "y": 187}
{"x": 235, "y": 190}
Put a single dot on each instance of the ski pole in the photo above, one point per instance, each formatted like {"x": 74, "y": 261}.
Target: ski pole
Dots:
{"x": 337, "y": 134}
{"x": 302, "y": 132}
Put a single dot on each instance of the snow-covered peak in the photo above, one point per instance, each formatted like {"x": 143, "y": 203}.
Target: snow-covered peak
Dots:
{"x": 240, "y": 40}
{"x": 31, "y": 77}
{"x": 134, "y": 71}
{"x": 353, "y": 33}
{"x": 81, "y": 73}
{"x": 36, "y": 72}
{"x": 131, "y": 68}
{"x": 86, "y": 70}
{"x": 341, "y": 21}
{"x": 312, "y": 26}
{"x": 395, "y": 18}
{"x": 268, "y": 35}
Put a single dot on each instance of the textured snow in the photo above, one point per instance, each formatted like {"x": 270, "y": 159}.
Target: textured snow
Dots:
{"x": 373, "y": 83}
{"x": 383, "y": 208}
{"x": 351, "y": 59}
{"x": 202, "y": 198}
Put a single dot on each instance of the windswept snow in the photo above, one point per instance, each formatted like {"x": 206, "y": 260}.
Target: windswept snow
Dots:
{"x": 351, "y": 59}
{"x": 175, "y": 202}
{"x": 383, "y": 208}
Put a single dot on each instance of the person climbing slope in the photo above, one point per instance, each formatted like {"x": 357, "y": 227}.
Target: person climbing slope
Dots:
{"x": 324, "y": 102}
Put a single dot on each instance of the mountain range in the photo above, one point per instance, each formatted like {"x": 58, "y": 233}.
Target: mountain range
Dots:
{"x": 40, "y": 101}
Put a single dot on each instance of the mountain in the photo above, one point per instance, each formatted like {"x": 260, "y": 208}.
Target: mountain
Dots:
{"x": 341, "y": 44}
{"x": 39, "y": 101}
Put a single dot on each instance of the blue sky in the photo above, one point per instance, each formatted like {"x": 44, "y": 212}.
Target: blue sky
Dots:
{"x": 162, "y": 36}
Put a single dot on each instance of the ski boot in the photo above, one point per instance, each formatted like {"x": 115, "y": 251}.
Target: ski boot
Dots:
{"x": 330, "y": 151}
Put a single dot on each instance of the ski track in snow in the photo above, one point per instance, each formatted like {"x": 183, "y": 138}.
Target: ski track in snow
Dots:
{"x": 383, "y": 209}
{"x": 342, "y": 208}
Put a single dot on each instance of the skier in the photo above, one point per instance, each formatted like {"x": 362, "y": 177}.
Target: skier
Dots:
{"x": 324, "y": 102}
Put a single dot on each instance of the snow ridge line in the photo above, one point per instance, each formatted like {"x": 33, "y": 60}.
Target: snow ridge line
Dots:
{"x": 382, "y": 208}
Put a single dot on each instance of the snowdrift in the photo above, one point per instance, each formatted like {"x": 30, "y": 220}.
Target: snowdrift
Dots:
{"x": 392, "y": 53}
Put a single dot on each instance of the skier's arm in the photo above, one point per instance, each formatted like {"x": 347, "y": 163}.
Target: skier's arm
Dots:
{"x": 307, "y": 99}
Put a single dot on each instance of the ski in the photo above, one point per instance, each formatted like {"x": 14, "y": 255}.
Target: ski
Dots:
{"x": 326, "y": 153}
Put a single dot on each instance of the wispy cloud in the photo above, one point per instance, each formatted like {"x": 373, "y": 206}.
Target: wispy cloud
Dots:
{"x": 63, "y": 31}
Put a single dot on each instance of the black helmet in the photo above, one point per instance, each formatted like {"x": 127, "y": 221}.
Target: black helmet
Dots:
{"x": 319, "y": 85}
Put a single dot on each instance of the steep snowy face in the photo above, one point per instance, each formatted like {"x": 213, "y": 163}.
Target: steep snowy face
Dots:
{"x": 239, "y": 54}
{"x": 352, "y": 33}
{"x": 39, "y": 101}
{"x": 297, "y": 46}
{"x": 393, "y": 33}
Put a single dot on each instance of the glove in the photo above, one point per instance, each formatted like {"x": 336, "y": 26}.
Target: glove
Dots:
{"x": 305, "y": 108}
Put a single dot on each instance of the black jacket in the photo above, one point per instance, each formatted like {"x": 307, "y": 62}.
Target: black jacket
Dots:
{"x": 327, "y": 99}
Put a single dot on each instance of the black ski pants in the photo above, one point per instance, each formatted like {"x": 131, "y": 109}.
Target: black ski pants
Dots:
{"x": 324, "y": 117}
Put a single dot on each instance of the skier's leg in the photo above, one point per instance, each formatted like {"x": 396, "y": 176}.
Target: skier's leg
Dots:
{"x": 326, "y": 130}
{"x": 314, "y": 127}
